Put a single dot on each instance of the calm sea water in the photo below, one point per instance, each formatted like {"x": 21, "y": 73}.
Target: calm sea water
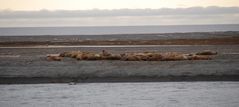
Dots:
{"x": 158, "y": 94}
{"x": 25, "y": 31}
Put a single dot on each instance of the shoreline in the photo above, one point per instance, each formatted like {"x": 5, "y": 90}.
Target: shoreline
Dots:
{"x": 44, "y": 80}
{"x": 208, "y": 41}
{"x": 75, "y": 80}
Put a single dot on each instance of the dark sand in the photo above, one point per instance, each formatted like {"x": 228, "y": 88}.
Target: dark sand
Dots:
{"x": 211, "y": 38}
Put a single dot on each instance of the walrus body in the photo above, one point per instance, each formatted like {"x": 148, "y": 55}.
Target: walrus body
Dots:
{"x": 53, "y": 57}
{"x": 134, "y": 56}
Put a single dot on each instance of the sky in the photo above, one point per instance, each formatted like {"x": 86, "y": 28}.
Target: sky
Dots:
{"x": 110, "y": 4}
{"x": 45, "y": 13}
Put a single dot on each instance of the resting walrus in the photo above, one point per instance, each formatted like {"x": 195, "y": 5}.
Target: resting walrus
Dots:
{"x": 54, "y": 57}
{"x": 207, "y": 52}
{"x": 135, "y": 56}
{"x": 173, "y": 56}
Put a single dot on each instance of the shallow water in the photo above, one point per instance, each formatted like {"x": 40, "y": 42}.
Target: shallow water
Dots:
{"x": 94, "y": 30}
{"x": 157, "y": 94}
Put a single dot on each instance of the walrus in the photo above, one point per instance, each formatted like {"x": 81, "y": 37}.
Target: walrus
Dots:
{"x": 173, "y": 56}
{"x": 54, "y": 57}
{"x": 207, "y": 52}
{"x": 105, "y": 53}
{"x": 88, "y": 56}
{"x": 71, "y": 54}
{"x": 135, "y": 56}
{"x": 199, "y": 57}
{"x": 152, "y": 57}
{"x": 129, "y": 57}
{"x": 146, "y": 56}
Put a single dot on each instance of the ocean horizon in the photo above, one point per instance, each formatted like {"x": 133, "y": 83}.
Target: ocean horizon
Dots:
{"x": 101, "y": 30}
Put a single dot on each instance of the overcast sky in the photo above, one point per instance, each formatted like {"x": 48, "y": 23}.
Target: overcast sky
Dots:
{"x": 33, "y": 13}
{"x": 110, "y": 4}
{"x": 201, "y": 11}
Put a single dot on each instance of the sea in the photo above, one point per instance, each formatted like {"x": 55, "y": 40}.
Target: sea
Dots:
{"x": 100, "y": 30}
{"x": 157, "y": 94}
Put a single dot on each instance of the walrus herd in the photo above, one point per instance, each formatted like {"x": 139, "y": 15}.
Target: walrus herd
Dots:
{"x": 133, "y": 56}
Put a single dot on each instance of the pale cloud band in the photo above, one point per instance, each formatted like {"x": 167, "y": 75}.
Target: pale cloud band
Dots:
{"x": 110, "y": 4}
{"x": 121, "y": 17}
{"x": 213, "y": 10}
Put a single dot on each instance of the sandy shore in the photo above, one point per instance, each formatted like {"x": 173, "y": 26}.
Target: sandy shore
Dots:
{"x": 25, "y": 62}
{"x": 31, "y": 66}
